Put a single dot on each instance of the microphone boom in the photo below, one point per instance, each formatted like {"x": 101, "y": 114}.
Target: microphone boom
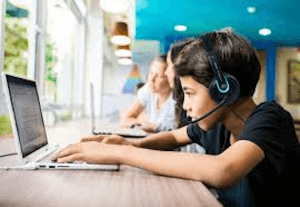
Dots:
{"x": 210, "y": 112}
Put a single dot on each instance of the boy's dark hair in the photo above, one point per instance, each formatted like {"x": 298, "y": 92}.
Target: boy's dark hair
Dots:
{"x": 236, "y": 56}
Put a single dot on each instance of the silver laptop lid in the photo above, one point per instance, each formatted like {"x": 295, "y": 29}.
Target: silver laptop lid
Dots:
{"x": 26, "y": 114}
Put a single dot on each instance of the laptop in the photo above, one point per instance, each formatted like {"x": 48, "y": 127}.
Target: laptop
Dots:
{"x": 29, "y": 130}
{"x": 112, "y": 128}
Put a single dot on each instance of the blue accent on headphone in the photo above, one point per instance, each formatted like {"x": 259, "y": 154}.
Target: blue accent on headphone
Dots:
{"x": 227, "y": 85}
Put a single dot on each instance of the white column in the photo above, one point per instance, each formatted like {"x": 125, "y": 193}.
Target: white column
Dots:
{"x": 94, "y": 61}
{"x": 32, "y": 34}
{"x": 79, "y": 70}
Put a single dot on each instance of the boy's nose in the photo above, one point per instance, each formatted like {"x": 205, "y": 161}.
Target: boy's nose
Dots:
{"x": 185, "y": 105}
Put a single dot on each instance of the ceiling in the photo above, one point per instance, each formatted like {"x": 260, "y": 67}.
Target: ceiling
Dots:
{"x": 155, "y": 19}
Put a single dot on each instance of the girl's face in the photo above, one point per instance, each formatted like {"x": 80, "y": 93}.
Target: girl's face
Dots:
{"x": 157, "y": 79}
{"x": 170, "y": 72}
{"x": 197, "y": 102}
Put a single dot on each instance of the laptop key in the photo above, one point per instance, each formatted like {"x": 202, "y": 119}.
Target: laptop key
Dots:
{"x": 78, "y": 162}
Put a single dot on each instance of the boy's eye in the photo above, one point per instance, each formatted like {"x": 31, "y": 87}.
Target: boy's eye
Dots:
{"x": 188, "y": 93}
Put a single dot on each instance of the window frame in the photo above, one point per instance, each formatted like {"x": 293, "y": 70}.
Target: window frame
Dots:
{"x": 37, "y": 49}
{"x": 37, "y": 62}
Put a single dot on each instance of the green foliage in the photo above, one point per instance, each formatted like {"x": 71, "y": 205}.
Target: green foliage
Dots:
{"x": 7, "y": 15}
{"x": 66, "y": 116}
{"x": 50, "y": 62}
{"x": 50, "y": 75}
{"x": 16, "y": 45}
{"x": 5, "y": 125}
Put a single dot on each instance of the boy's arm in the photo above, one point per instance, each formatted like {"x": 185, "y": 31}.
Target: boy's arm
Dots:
{"x": 219, "y": 171}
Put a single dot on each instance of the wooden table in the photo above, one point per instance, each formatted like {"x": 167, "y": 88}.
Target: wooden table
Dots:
{"x": 127, "y": 187}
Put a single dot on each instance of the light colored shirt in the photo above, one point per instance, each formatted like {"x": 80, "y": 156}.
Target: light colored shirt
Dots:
{"x": 164, "y": 117}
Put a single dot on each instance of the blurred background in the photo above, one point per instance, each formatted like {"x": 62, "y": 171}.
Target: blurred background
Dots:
{"x": 67, "y": 44}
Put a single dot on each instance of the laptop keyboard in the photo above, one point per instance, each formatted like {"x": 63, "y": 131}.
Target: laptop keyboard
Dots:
{"x": 49, "y": 159}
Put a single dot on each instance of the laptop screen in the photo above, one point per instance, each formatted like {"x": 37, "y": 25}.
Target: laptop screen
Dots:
{"x": 28, "y": 115}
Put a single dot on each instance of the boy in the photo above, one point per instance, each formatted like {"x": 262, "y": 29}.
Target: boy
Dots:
{"x": 255, "y": 170}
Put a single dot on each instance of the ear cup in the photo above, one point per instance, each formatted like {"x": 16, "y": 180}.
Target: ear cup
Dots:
{"x": 231, "y": 95}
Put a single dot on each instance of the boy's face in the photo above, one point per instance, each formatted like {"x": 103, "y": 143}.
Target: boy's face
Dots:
{"x": 197, "y": 102}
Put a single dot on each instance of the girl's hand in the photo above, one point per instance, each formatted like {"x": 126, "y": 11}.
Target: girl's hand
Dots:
{"x": 108, "y": 139}
{"x": 149, "y": 127}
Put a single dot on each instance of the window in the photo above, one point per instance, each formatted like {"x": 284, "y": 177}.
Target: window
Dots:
{"x": 45, "y": 41}
{"x": 18, "y": 26}
{"x": 61, "y": 25}
{"x": 63, "y": 79}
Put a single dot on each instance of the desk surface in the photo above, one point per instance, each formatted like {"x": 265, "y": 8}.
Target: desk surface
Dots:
{"x": 127, "y": 187}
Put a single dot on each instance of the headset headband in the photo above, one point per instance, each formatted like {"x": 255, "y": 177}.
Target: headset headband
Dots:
{"x": 221, "y": 80}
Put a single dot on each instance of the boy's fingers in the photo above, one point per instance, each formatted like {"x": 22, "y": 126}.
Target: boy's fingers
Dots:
{"x": 66, "y": 151}
{"x": 70, "y": 158}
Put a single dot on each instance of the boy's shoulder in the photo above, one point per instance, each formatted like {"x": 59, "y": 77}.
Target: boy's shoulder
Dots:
{"x": 270, "y": 105}
{"x": 271, "y": 109}
{"x": 269, "y": 123}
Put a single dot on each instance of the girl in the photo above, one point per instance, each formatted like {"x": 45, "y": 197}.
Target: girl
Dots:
{"x": 156, "y": 98}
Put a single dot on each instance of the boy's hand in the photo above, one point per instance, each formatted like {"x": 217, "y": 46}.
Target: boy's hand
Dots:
{"x": 90, "y": 152}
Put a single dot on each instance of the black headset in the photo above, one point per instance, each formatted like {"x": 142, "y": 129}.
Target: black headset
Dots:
{"x": 224, "y": 88}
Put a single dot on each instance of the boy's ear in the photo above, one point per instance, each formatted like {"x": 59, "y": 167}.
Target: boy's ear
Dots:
{"x": 224, "y": 88}
{"x": 231, "y": 93}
